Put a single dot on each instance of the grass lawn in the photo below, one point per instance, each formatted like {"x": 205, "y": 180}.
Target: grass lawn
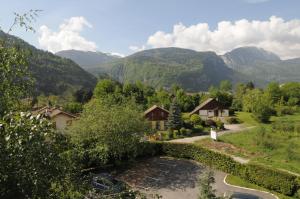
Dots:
{"x": 277, "y": 149}
{"x": 233, "y": 180}
{"x": 246, "y": 118}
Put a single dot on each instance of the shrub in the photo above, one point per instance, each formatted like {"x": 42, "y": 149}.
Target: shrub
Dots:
{"x": 232, "y": 120}
{"x": 170, "y": 132}
{"x": 210, "y": 123}
{"x": 175, "y": 134}
{"x": 183, "y": 131}
{"x": 198, "y": 128}
{"x": 165, "y": 136}
{"x": 220, "y": 125}
{"x": 272, "y": 179}
{"x": 195, "y": 119}
{"x": 188, "y": 132}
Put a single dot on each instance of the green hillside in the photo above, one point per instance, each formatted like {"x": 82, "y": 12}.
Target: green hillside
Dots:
{"x": 53, "y": 74}
{"x": 194, "y": 71}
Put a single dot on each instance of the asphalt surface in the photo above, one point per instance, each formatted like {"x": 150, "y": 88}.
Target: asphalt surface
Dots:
{"x": 178, "y": 179}
{"x": 230, "y": 128}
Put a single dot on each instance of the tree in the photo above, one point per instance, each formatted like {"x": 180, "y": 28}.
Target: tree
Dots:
{"x": 240, "y": 90}
{"x": 15, "y": 79}
{"x": 205, "y": 185}
{"x": 250, "y": 85}
{"x": 273, "y": 91}
{"x": 82, "y": 95}
{"x": 259, "y": 103}
{"x": 30, "y": 156}
{"x": 225, "y": 85}
{"x": 108, "y": 132}
{"x": 174, "y": 118}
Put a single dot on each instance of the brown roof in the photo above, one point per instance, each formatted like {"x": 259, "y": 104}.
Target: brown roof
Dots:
{"x": 52, "y": 112}
{"x": 203, "y": 104}
{"x": 153, "y": 108}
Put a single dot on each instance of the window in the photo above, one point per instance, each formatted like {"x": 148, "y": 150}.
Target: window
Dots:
{"x": 158, "y": 125}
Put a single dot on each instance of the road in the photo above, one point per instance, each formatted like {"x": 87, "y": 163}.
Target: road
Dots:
{"x": 177, "y": 179}
{"x": 230, "y": 128}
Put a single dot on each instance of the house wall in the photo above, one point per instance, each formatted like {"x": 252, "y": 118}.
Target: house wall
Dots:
{"x": 157, "y": 115}
{"x": 225, "y": 113}
{"x": 61, "y": 121}
{"x": 159, "y": 125}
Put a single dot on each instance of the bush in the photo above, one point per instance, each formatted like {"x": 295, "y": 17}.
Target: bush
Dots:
{"x": 183, "y": 131}
{"x": 165, "y": 136}
{"x": 195, "y": 119}
{"x": 210, "y": 123}
{"x": 188, "y": 132}
{"x": 198, "y": 128}
{"x": 285, "y": 110}
{"x": 220, "y": 125}
{"x": 232, "y": 120}
{"x": 175, "y": 134}
{"x": 272, "y": 179}
{"x": 170, "y": 132}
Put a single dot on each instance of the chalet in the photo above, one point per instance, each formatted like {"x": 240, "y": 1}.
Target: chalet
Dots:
{"x": 158, "y": 117}
{"x": 60, "y": 118}
{"x": 211, "y": 108}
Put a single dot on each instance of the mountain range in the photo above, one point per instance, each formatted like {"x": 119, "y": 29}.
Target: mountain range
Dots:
{"x": 161, "y": 67}
{"x": 264, "y": 65}
{"x": 197, "y": 71}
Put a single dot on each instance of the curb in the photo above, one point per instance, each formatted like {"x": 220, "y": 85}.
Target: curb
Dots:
{"x": 224, "y": 180}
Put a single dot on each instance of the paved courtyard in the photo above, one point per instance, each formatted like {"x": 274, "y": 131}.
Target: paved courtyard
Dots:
{"x": 177, "y": 179}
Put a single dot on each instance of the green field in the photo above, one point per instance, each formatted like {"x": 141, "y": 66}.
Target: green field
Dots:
{"x": 276, "y": 144}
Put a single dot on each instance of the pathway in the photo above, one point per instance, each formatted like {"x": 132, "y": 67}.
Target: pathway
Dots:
{"x": 230, "y": 128}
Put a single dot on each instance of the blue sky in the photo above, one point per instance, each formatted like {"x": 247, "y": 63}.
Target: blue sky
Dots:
{"x": 115, "y": 25}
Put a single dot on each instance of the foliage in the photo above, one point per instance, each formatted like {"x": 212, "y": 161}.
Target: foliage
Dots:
{"x": 104, "y": 133}
{"x": 205, "y": 186}
{"x": 54, "y": 75}
{"x": 232, "y": 120}
{"x": 73, "y": 107}
{"x": 195, "y": 119}
{"x": 174, "y": 118}
{"x": 259, "y": 104}
{"x": 15, "y": 80}
{"x": 30, "y": 153}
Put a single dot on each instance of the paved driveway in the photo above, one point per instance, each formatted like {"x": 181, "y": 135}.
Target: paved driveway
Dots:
{"x": 176, "y": 179}
{"x": 230, "y": 128}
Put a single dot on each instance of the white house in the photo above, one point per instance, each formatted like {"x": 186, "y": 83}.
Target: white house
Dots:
{"x": 211, "y": 108}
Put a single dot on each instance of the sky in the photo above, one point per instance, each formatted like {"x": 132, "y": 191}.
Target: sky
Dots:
{"x": 127, "y": 26}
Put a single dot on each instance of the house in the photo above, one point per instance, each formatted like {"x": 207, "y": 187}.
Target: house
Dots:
{"x": 60, "y": 118}
{"x": 211, "y": 108}
{"x": 158, "y": 117}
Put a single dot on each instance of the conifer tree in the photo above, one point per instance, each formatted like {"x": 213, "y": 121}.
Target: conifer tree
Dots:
{"x": 174, "y": 118}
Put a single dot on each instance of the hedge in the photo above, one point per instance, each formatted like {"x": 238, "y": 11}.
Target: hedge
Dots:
{"x": 272, "y": 179}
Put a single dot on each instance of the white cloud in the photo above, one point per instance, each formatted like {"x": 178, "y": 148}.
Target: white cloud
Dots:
{"x": 275, "y": 35}
{"x": 116, "y": 54}
{"x": 67, "y": 37}
{"x": 137, "y": 48}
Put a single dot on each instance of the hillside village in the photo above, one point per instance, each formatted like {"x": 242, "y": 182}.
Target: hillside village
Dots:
{"x": 163, "y": 122}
